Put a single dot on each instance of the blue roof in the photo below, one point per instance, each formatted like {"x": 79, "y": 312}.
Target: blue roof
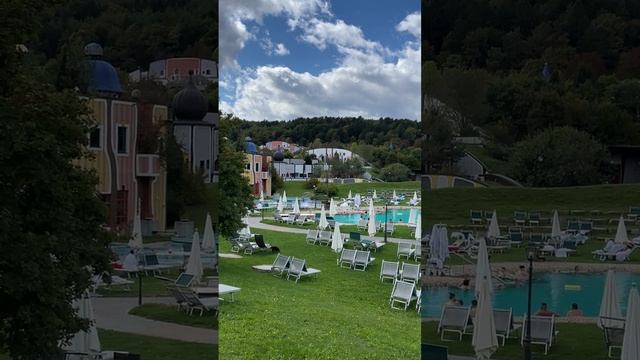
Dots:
{"x": 251, "y": 148}
{"x": 103, "y": 77}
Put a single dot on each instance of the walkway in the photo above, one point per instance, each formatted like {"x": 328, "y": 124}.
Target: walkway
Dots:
{"x": 112, "y": 313}
{"x": 255, "y": 222}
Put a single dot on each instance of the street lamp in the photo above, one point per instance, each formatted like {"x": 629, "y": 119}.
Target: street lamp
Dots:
{"x": 386, "y": 205}
{"x": 527, "y": 338}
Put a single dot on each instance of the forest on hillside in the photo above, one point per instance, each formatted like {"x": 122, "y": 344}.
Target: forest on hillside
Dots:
{"x": 380, "y": 142}
{"x": 509, "y": 70}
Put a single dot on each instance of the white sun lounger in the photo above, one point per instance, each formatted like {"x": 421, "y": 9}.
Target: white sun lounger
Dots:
{"x": 503, "y": 319}
{"x": 410, "y": 272}
{"x": 405, "y": 249}
{"x": 298, "y": 269}
{"x": 347, "y": 256}
{"x": 542, "y": 328}
{"x": 389, "y": 270}
{"x": 453, "y": 319}
{"x": 362, "y": 259}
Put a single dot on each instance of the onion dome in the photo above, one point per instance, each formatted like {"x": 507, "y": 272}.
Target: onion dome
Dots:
{"x": 100, "y": 75}
{"x": 278, "y": 156}
{"x": 189, "y": 103}
{"x": 249, "y": 146}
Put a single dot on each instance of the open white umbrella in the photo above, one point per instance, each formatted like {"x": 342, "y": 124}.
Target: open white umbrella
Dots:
{"x": 356, "y": 201}
{"x": 280, "y": 206}
{"x": 485, "y": 341}
{"x": 371, "y": 226}
{"x": 419, "y": 227}
{"x": 194, "y": 266}
{"x": 483, "y": 267}
{"x": 284, "y": 198}
{"x": 333, "y": 209}
{"x": 296, "y": 206}
{"x": 349, "y": 197}
{"x": 621, "y": 233}
{"x": 555, "y": 226}
{"x": 323, "y": 223}
{"x": 609, "y": 306}
{"x": 336, "y": 239}
{"x": 631, "y": 340}
{"x": 135, "y": 242}
{"x": 494, "y": 229}
{"x": 208, "y": 240}
{"x": 85, "y": 341}
{"x": 375, "y": 194}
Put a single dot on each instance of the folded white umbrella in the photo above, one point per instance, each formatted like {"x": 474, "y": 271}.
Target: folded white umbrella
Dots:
{"x": 609, "y": 306}
{"x": 88, "y": 341}
{"x": 356, "y": 201}
{"x": 135, "y": 242}
{"x": 208, "y": 240}
{"x": 415, "y": 197}
{"x": 336, "y": 239}
{"x": 394, "y": 194}
{"x": 631, "y": 340}
{"x": 494, "y": 229}
{"x": 371, "y": 226}
{"x": 333, "y": 210}
{"x": 375, "y": 194}
{"x": 349, "y": 197}
{"x": 418, "y": 227}
{"x": 296, "y": 206}
{"x": 246, "y": 230}
{"x": 280, "y": 206}
{"x": 323, "y": 223}
{"x": 284, "y": 198}
{"x": 485, "y": 341}
{"x": 555, "y": 226}
{"x": 483, "y": 267}
{"x": 194, "y": 266}
{"x": 621, "y": 233}
{"x": 261, "y": 196}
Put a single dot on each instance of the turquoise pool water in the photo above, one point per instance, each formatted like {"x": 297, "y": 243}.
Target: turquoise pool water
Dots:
{"x": 547, "y": 287}
{"x": 395, "y": 215}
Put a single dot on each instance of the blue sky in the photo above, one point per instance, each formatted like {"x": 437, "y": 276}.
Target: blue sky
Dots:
{"x": 283, "y": 59}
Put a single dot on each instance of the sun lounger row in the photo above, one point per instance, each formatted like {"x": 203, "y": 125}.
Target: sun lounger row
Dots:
{"x": 455, "y": 319}
{"x": 355, "y": 259}
{"x": 321, "y": 237}
{"x": 293, "y": 267}
{"x": 613, "y": 250}
{"x": 393, "y": 270}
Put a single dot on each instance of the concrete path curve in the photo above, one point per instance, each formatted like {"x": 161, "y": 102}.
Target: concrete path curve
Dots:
{"x": 112, "y": 313}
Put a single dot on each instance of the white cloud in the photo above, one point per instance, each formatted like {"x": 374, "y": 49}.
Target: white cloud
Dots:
{"x": 281, "y": 49}
{"x": 321, "y": 33}
{"x": 411, "y": 24}
{"x": 235, "y": 13}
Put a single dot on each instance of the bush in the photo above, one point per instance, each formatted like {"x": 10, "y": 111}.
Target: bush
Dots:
{"x": 327, "y": 189}
{"x": 395, "y": 172}
{"x": 561, "y": 156}
{"x": 312, "y": 183}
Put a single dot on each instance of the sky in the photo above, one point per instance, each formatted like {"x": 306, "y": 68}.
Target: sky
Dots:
{"x": 284, "y": 59}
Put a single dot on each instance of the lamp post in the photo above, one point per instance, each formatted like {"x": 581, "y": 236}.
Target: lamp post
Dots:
{"x": 527, "y": 339}
{"x": 386, "y": 204}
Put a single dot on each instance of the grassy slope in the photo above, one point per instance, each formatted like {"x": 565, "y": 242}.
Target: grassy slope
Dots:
{"x": 451, "y": 206}
{"x": 573, "y": 342}
{"x": 341, "y": 314}
{"x": 494, "y": 165}
{"x": 297, "y": 188}
{"x": 169, "y": 313}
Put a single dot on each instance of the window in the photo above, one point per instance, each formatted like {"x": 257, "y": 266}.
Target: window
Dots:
{"x": 257, "y": 166}
{"x": 248, "y": 166}
{"x": 122, "y": 140}
{"x": 208, "y": 71}
{"x": 94, "y": 139}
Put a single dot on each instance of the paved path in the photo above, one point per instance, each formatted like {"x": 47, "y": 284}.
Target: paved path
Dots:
{"x": 255, "y": 222}
{"x": 112, "y": 313}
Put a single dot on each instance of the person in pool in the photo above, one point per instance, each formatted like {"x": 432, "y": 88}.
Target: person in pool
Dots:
{"x": 522, "y": 274}
{"x": 574, "y": 311}
{"x": 465, "y": 284}
{"x": 544, "y": 311}
{"x": 452, "y": 300}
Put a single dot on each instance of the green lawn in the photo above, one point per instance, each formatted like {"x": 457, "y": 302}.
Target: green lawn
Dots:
{"x": 170, "y": 313}
{"x": 297, "y": 188}
{"x": 341, "y": 314}
{"x": 451, "y": 207}
{"x": 400, "y": 232}
{"x": 152, "y": 348}
{"x": 574, "y": 342}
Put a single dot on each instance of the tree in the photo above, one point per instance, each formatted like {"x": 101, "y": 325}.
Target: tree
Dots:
{"x": 276, "y": 181}
{"x": 561, "y": 156}
{"x": 395, "y": 172}
{"x": 234, "y": 193}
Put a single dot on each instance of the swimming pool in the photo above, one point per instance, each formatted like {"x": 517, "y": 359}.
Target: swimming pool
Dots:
{"x": 558, "y": 290}
{"x": 394, "y": 215}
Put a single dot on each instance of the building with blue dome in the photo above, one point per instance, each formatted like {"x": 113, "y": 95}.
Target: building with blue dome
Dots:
{"x": 256, "y": 168}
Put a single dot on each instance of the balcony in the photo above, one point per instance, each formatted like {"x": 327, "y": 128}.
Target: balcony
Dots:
{"x": 148, "y": 165}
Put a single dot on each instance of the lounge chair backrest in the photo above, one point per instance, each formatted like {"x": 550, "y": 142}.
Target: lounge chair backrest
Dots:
{"x": 475, "y": 214}
{"x": 354, "y": 236}
{"x": 573, "y": 225}
{"x": 348, "y": 255}
{"x": 502, "y": 319}
{"x": 259, "y": 239}
{"x": 151, "y": 260}
{"x": 542, "y": 328}
{"x": 184, "y": 280}
{"x": 454, "y": 316}
{"x": 312, "y": 234}
{"x": 389, "y": 268}
{"x": 403, "y": 290}
{"x": 410, "y": 271}
{"x": 362, "y": 257}
{"x": 519, "y": 215}
{"x": 404, "y": 246}
{"x": 586, "y": 225}
{"x": 325, "y": 234}
{"x": 634, "y": 210}
{"x": 280, "y": 263}
{"x": 297, "y": 266}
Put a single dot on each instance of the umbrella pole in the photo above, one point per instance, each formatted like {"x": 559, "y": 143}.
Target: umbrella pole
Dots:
{"x": 527, "y": 338}
{"x": 139, "y": 289}
{"x": 385, "y": 221}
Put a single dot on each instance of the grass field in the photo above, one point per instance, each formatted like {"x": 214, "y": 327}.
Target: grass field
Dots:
{"x": 574, "y": 342}
{"x": 341, "y": 314}
{"x": 169, "y": 313}
{"x": 152, "y": 348}
{"x": 297, "y": 188}
{"x": 452, "y": 206}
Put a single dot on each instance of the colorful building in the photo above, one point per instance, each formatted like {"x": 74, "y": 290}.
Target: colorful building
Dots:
{"x": 282, "y": 145}
{"x": 178, "y": 70}
{"x": 257, "y": 169}
{"x": 124, "y": 147}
